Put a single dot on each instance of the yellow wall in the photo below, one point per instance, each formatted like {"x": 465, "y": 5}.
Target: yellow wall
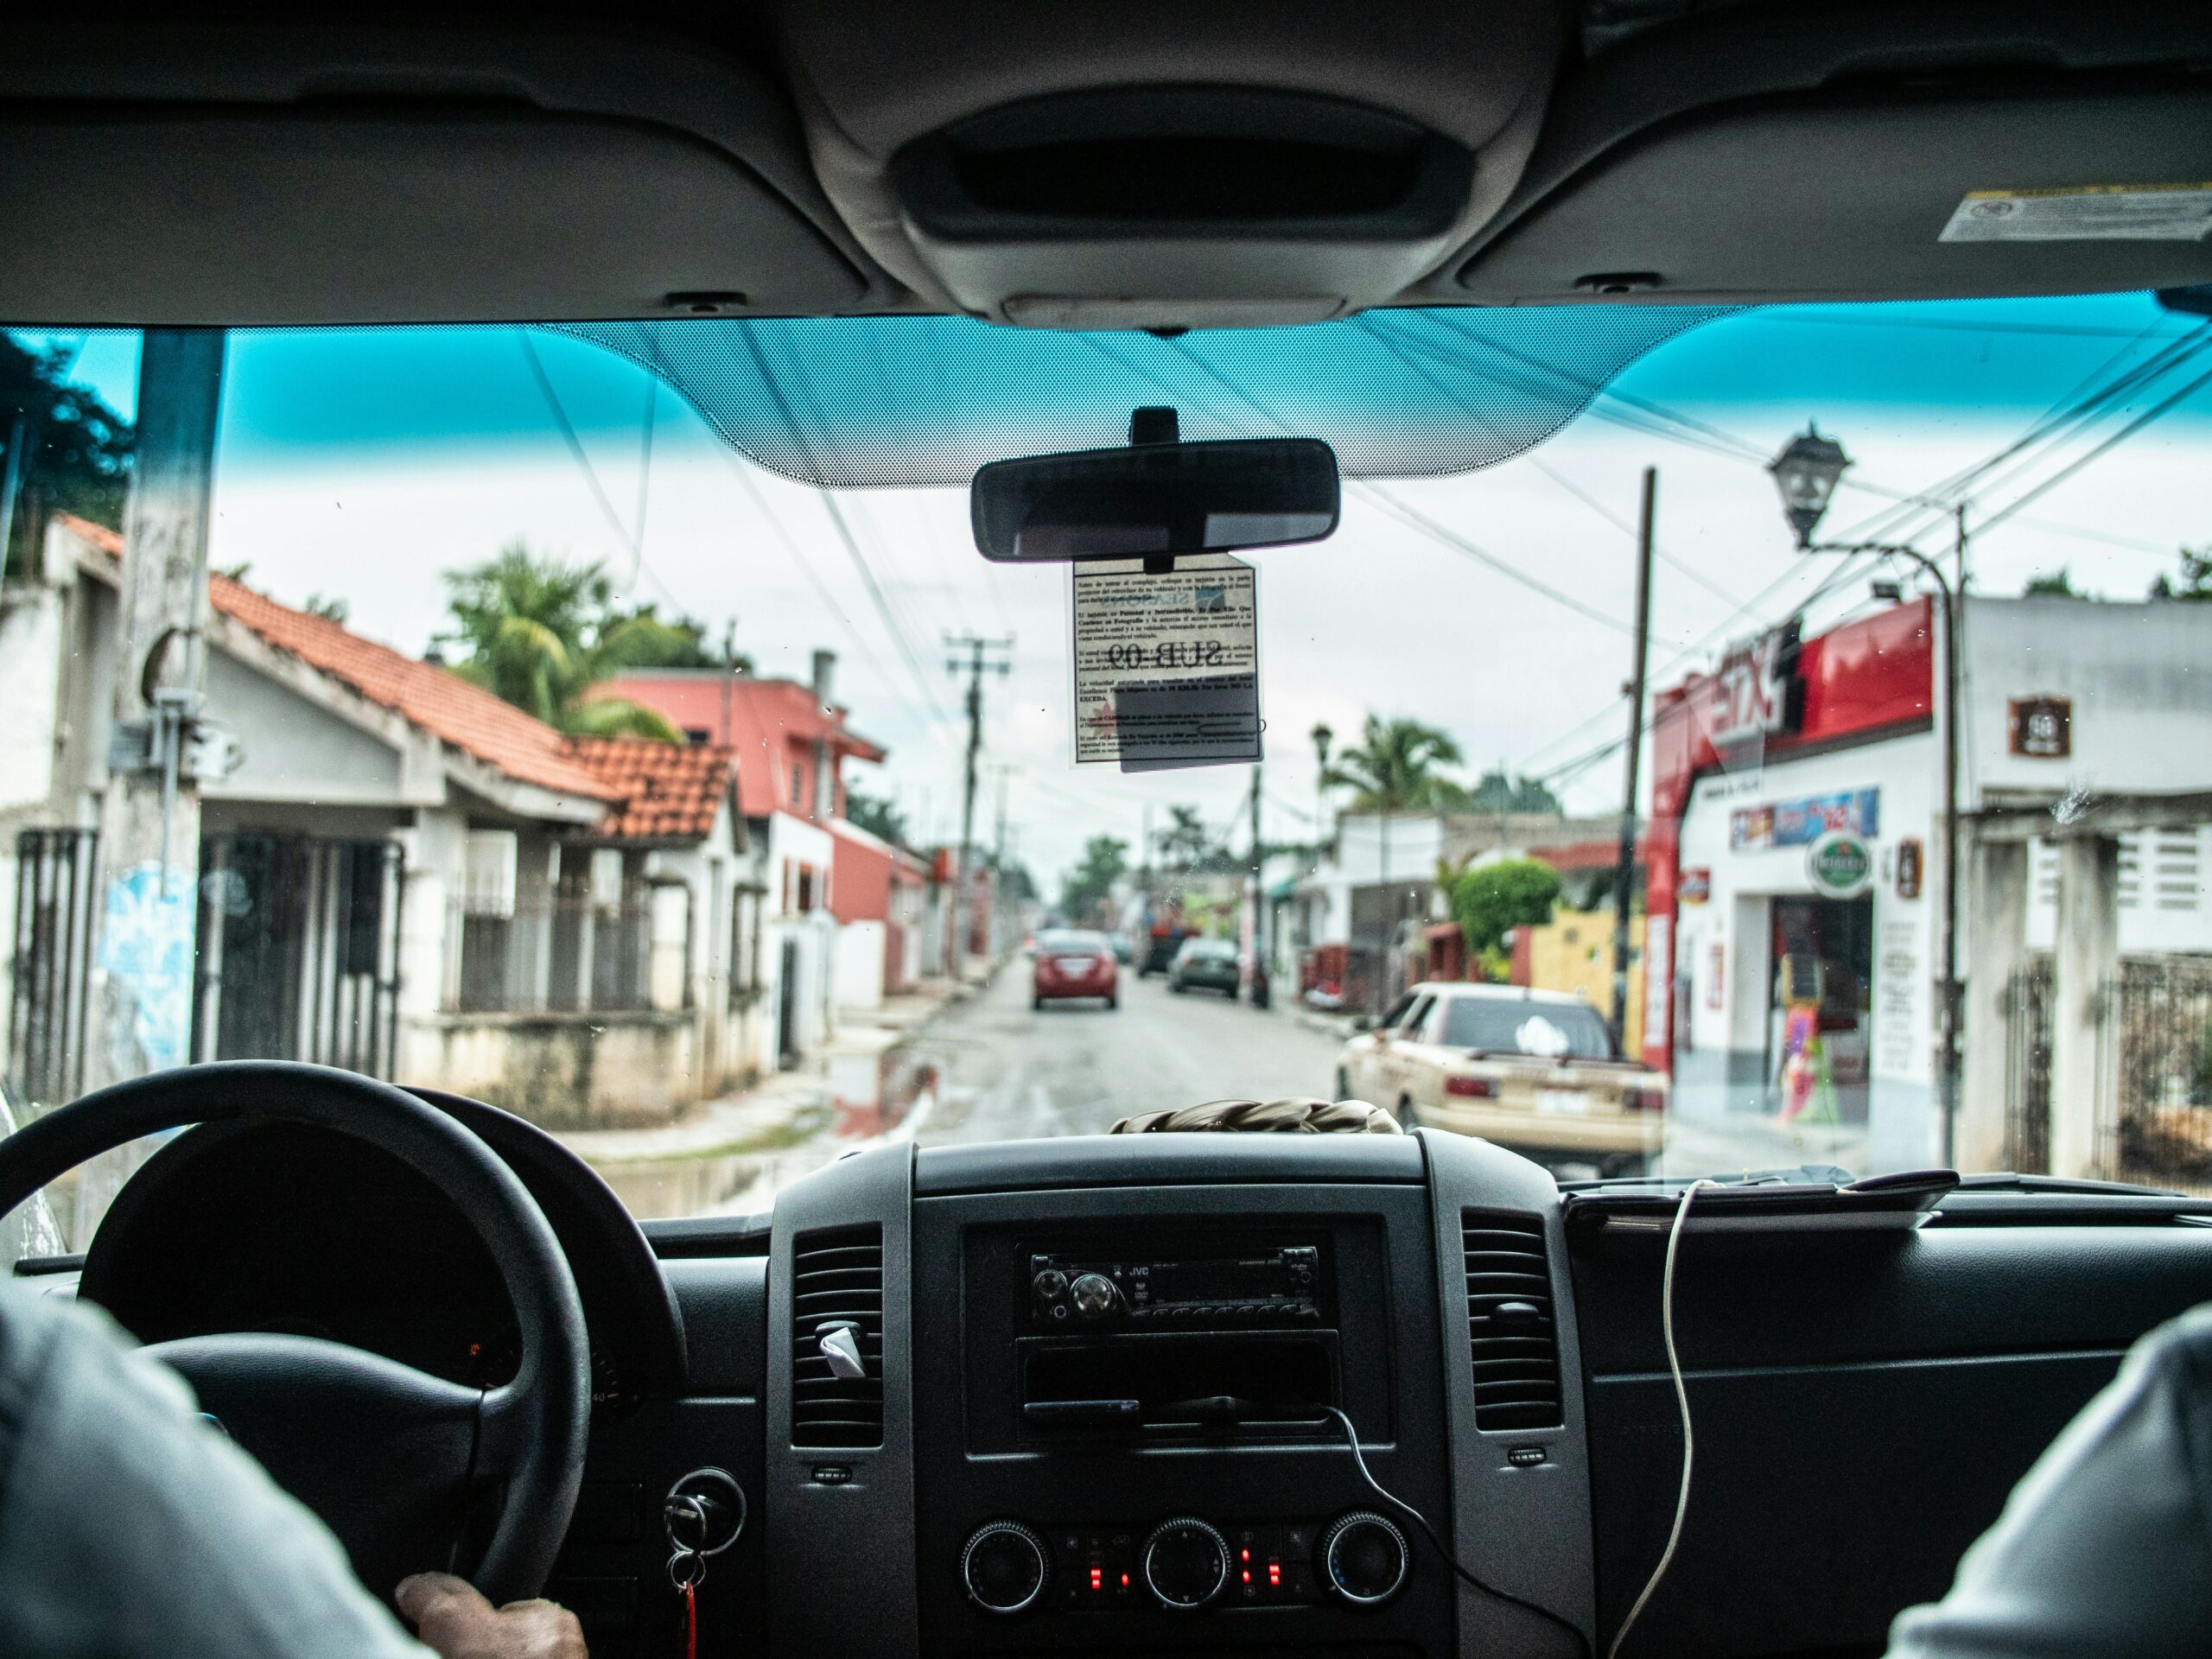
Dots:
{"x": 1574, "y": 953}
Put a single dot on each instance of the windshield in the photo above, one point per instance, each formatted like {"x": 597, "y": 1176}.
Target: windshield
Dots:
{"x": 1549, "y": 1030}
{"x": 618, "y": 724}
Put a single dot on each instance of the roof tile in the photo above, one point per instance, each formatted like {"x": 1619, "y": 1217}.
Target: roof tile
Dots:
{"x": 434, "y": 698}
{"x": 671, "y": 791}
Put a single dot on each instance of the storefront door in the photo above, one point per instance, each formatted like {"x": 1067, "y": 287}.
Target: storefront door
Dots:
{"x": 1824, "y": 958}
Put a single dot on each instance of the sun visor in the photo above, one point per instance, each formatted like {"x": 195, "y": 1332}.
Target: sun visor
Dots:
{"x": 1841, "y": 199}
{"x": 352, "y": 217}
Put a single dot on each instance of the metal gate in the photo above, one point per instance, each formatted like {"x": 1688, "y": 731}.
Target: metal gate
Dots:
{"x": 2027, "y": 1070}
{"x": 56, "y": 873}
{"x": 298, "y": 955}
{"x": 2165, "y": 1019}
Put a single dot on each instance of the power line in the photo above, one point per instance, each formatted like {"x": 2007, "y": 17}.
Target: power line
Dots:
{"x": 583, "y": 462}
{"x": 1949, "y": 325}
{"x": 882, "y": 606}
{"x": 790, "y": 545}
{"x": 1405, "y": 512}
{"x": 2121, "y": 436}
{"x": 1682, "y": 566}
{"x": 2080, "y": 402}
{"x": 645, "y": 469}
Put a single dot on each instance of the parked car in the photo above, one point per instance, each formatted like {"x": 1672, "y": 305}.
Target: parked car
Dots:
{"x": 1204, "y": 964}
{"x": 1069, "y": 963}
{"x": 1160, "y": 946}
{"x": 1534, "y": 1071}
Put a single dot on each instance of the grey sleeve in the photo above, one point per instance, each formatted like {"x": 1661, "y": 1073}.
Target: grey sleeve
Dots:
{"x": 2103, "y": 1546}
{"x": 129, "y": 1530}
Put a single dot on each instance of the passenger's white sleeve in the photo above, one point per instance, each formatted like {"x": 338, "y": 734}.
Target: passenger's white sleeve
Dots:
{"x": 2103, "y": 1548}
{"x": 129, "y": 1530}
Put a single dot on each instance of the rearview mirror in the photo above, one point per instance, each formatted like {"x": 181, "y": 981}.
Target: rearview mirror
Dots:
{"x": 1155, "y": 500}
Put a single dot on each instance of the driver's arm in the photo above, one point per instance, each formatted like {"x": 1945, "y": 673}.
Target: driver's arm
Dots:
{"x": 2105, "y": 1546}
{"x": 130, "y": 1529}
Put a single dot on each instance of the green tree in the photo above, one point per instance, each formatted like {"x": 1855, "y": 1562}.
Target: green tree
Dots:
{"x": 1016, "y": 885}
{"x": 2048, "y": 584}
{"x": 1496, "y": 791}
{"x": 540, "y": 632}
{"x": 1490, "y": 900}
{"x": 329, "y": 607}
{"x": 1186, "y": 844}
{"x": 1392, "y": 768}
{"x": 2195, "y": 584}
{"x": 76, "y": 449}
{"x": 1105, "y": 862}
{"x": 876, "y": 815}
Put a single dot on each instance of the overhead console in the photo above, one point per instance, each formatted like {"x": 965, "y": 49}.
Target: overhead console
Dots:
{"x": 1162, "y": 166}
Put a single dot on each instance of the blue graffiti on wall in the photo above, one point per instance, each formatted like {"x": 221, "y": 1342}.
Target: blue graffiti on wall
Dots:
{"x": 146, "y": 936}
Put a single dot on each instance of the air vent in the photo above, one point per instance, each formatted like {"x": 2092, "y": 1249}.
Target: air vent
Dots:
{"x": 1514, "y": 1340}
{"x": 837, "y": 1278}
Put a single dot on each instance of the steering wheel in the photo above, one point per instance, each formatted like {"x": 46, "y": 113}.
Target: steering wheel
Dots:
{"x": 388, "y": 1456}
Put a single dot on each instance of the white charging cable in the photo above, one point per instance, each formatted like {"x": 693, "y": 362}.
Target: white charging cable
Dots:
{"x": 1681, "y": 1399}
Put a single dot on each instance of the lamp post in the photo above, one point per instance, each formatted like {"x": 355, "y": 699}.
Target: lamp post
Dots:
{"x": 1807, "y": 472}
{"x": 1323, "y": 736}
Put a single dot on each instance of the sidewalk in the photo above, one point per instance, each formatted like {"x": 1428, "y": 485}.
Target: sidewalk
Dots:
{"x": 854, "y": 1087}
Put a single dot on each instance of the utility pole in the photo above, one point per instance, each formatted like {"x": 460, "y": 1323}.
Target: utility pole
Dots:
{"x": 1625, "y": 865}
{"x": 978, "y": 649}
{"x": 999, "y": 931}
{"x": 1260, "y": 988}
{"x": 140, "y": 1001}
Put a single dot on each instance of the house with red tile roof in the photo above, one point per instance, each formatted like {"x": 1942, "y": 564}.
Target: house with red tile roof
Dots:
{"x": 843, "y": 908}
{"x": 405, "y": 875}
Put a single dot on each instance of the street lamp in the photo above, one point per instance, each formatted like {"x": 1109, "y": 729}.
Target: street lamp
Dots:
{"x": 1323, "y": 737}
{"x": 1807, "y": 472}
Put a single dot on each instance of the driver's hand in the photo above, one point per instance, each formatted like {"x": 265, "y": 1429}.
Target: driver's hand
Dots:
{"x": 452, "y": 1619}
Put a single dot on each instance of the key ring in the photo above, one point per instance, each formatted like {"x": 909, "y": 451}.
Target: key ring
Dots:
{"x": 685, "y": 1569}
{"x": 684, "y": 1505}
{"x": 722, "y": 1501}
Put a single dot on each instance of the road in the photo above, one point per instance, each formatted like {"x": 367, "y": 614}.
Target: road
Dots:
{"x": 1008, "y": 1073}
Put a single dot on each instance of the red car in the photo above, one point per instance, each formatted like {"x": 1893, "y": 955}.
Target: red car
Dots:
{"x": 1069, "y": 965}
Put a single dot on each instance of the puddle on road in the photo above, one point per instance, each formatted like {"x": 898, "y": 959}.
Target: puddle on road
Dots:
{"x": 864, "y": 1099}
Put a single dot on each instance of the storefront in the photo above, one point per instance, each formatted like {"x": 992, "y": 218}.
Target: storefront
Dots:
{"x": 1795, "y": 807}
{"x": 1795, "y": 871}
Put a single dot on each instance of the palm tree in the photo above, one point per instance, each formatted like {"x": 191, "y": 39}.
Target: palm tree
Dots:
{"x": 540, "y": 632}
{"x": 1392, "y": 768}
{"x": 1185, "y": 842}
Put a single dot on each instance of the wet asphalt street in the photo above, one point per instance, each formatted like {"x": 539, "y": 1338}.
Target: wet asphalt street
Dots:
{"x": 1007, "y": 1072}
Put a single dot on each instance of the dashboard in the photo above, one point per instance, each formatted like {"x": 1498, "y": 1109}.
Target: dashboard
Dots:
{"x": 1098, "y": 1396}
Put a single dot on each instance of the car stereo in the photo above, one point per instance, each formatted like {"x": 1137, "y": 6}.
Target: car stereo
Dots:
{"x": 1273, "y": 1286}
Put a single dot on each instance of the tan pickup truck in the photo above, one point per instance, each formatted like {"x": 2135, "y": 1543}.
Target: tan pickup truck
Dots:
{"x": 1534, "y": 1071}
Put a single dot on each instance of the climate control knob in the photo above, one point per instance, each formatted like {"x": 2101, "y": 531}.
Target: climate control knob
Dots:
{"x": 1093, "y": 1294}
{"x": 1005, "y": 1568}
{"x": 1365, "y": 1559}
{"x": 1185, "y": 1563}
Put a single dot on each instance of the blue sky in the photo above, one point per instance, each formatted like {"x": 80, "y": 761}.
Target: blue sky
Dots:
{"x": 362, "y": 464}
